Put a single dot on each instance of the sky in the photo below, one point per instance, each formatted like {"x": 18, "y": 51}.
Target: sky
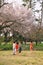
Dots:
{"x": 37, "y": 6}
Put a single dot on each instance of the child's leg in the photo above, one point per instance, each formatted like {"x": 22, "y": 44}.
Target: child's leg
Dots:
{"x": 20, "y": 50}
{"x": 14, "y": 51}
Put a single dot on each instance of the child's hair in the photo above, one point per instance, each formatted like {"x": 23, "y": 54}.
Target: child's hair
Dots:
{"x": 14, "y": 41}
{"x": 17, "y": 43}
{"x": 31, "y": 41}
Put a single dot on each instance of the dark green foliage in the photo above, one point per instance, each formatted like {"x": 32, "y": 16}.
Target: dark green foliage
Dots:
{"x": 39, "y": 46}
{"x": 25, "y": 47}
{"x": 5, "y": 36}
{"x": 1, "y": 39}
{"x": 6, "y": 47}
{"x": 17, "y": 36}
{"x": 0, "y": 27}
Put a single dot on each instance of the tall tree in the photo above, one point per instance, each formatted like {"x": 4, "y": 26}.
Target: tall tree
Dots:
{"x": 1, "y": 2}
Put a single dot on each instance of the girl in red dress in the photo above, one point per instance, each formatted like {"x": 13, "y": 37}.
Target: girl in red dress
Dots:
{"x": 17, "y": 46}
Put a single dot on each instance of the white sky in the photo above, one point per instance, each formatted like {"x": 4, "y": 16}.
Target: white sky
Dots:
{"x": 37, "y": 6}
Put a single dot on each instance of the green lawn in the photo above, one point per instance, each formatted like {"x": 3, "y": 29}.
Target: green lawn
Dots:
{"x": 25, "y": 58}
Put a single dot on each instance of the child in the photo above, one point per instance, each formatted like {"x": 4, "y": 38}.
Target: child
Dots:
{"x": 20, "y": 49}
{"x": 31, "y": 46}
{"x": 17, "y": 46}
{"x": 14, "y": 48}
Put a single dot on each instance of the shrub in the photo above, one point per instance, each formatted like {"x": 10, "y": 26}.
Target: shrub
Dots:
{"x": 6, "y": 47}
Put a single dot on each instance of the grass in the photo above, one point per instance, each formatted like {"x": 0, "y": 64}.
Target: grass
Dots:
{"x": 24, "y": 58}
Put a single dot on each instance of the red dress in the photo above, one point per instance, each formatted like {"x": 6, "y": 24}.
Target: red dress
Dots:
{"x": 17, "y": 46}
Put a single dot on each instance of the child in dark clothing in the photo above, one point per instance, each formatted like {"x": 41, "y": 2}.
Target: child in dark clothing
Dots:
{"x": 20, "y": 48}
